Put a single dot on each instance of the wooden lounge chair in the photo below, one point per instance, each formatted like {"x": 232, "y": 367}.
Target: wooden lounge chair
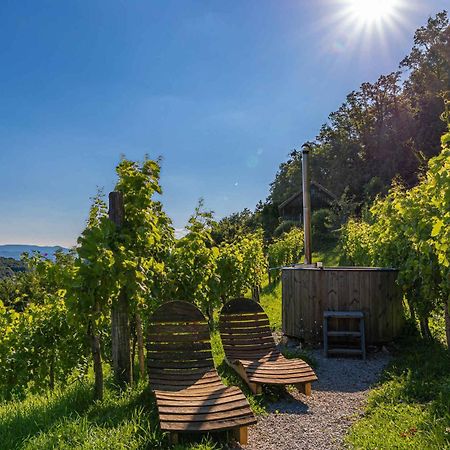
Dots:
{"x": 189, "y": 393}
{"x": 250, "y": 349}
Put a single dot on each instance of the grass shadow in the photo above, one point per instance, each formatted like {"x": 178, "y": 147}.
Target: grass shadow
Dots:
{"x": 37, "y": 414}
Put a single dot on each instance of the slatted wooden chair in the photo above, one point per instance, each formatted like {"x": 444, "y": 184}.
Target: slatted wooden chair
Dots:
{"x": 189, "y": 393}
{"x": 250, "y": 349}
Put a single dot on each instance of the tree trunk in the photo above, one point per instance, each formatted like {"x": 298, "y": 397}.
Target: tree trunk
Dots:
{"x": 425, "y": 328}
{"x": 52, "y": 373}
{"x": 133, "y": 351}
{"x": 120, "y": 341}
{"x": 255, "y": 294}
{"x": 98, "y": 368}
{"x": 210, "y": 315}
{"x": 412, "y": 313}
{"x": 140, "y": 344}
{"x": 447, "y": 321}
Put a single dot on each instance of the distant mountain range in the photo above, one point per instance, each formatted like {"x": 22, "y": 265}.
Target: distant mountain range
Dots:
{"x": 15, "y": 250}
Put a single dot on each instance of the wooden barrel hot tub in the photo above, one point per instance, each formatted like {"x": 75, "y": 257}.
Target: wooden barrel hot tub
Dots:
{"x": 309, "y": 291}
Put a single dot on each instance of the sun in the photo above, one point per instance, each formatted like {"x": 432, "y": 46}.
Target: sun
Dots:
{"x": 364, "y": 27}
{"x": 372, "y": 11}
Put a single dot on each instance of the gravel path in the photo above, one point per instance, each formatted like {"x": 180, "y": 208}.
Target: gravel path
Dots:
{"x": 321, "y": 420}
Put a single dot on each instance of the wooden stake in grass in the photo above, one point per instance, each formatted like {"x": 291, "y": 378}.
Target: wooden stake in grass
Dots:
{"x": 120, "y": 327}
{"x": 140, "y": 344}
{"x": 97, "y": 358}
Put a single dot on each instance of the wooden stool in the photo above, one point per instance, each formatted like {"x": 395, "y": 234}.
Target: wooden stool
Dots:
{"x": 358, "y": 315}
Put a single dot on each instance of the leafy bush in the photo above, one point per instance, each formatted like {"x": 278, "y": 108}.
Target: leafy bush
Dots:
{"x": 409, "y": 229}
{"x": 39, "y": 344}
{"x": 286, "y": 250}
{"x": 285, "y": 226}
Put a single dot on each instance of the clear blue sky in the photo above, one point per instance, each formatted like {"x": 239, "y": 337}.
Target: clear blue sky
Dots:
{"x": 223, "y": 90}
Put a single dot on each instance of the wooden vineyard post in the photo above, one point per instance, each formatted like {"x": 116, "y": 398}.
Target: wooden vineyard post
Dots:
{"x": 255, "y": 294}
{"x": 97, "y": 357}
{"x": 120, "y": 327}
{"x": 140, "y": 344}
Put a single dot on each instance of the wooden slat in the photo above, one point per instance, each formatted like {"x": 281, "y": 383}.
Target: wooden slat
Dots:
{"x": 196, "y": 327}
{"x": 204, "y": 363}
{"x": 189, "y": 388}
{"x": 245, "y": 325}
{"x": 208, "y": 426}
{"x": 191, "y": 372}
{"x": 234, "y": 414}
{"x": 247, "y": 341}
{"x": 171, "y": 337}
{"x": 179, "y": 386}
{"x": 188, "y": 378}
{"x": 270, "y": 365}
{"x": 183, "y": 395}
{"x": 282, "y": 380}
{"x": 273, "y": 356}
{"x": 260, "y": 331}
{"x": 282, "y": 371}
{"x": 204, "y": 409}
{"x": 279, "y": 373}
{"x": 231, "y": 318}
{"x": 260, "y": 346}
{"x": 243, "y": 354}
{"x": 276, "y": 361}
{"x": 179, "y": 356}
{"x": 186, "y": 346}
{"x": 277, "y": 380}
{"x": 203, "y": 382}
{"x": 193, "y": 402}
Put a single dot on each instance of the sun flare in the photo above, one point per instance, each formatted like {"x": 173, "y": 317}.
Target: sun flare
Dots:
{"x": 364, "y": 28}
{"x": 371, "y": 11}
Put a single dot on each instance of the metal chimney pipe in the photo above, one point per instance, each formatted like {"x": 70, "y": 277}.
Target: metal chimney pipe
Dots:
{"x": 306, "y": 186}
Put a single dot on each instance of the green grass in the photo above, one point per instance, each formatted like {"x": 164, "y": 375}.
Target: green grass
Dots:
{"x": 69, "y": 418}
{"x": 410, "y": 409}
{"x": 270, "y": 299}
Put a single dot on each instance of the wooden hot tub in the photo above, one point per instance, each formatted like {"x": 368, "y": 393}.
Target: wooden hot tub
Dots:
{"x": 309, "y": 291}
